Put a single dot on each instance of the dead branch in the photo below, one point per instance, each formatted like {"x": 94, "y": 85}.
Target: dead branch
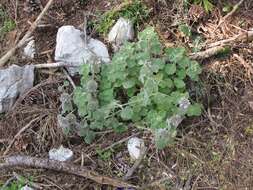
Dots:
{"x": 223, "y": 19}
{"x": 220, "y": 46}
{"x": 28, "y": 34}
{"x": 53, "y": 65}
{"x": 207, "y": 53}
{"x": 27, "y": 161}
{"x": 245, "y": 36}
{"x": 69, "y": 78}
{"x": 18, "y": 134}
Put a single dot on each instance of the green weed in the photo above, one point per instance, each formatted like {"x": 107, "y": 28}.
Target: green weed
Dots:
{"x": 135, "y": 11}
{"x": 144, "y": 85}
{"x": 7, "y": 23}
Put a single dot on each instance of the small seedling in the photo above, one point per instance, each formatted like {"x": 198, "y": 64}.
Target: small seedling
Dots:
{"x": 207, "y": 4}
{"x": 136, "y": 11}
{"x": 7, "y": 23}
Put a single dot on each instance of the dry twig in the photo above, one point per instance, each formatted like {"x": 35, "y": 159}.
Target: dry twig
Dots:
{"x": 28, "y": 34}
{"x": 27, "y": 161}
{"x": 222, "y": 20}
{"x": 18, "y": 134}
{"x": 207, "y": 53}
{"x": 220, "y": 46}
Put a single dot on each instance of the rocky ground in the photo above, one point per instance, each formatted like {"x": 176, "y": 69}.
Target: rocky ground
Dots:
{"x": 213, "y": 151}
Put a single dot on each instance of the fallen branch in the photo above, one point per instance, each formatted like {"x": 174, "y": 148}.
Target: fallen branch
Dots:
{"x": 17, "y": 135}
{"x": 11, "y": 52}
{"x": 208, "y": 53}
{"x": 222, "y": 20}
{"x": 221, "y": 46}
{"x": 27, "y": 161}
{"x": 53, "y": 65}
{"x": 245, "y": 36}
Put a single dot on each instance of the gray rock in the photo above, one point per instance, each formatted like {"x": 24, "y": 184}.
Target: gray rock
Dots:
{"x": 135, "y": 147}
{"x": 71, "y": 48}
{"x": 14, "y": 81}
{"x": 26, "y": 188}
{"x": 121, "y": 32}
{"x": 61, "y": 154}
{"x": 29, "y": 50}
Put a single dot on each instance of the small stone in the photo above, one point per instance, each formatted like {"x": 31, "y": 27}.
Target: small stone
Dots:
{"x": 26, "y": 188}
{"x": 29, "y": 50}
{"x": 14, "y": 81}
{"x": 135, "y": 147}
{"x": 121, "y": 32}
{"x": 61, "y": 154}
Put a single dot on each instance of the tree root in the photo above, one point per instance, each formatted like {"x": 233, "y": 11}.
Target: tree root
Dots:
{"x": 27, "y": 161}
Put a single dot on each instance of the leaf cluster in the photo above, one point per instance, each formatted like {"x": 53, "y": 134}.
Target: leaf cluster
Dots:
{"x": 144, "y": 84}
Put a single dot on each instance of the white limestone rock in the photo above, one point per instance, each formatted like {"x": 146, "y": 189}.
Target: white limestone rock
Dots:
{"x": 71, "y": 48}
{"x": 135, "y": 147}
{"x": 26, "y": 188}
{"x": 61, "y": 154}
{"x": 30, "y": 50}
{"x": 14, "y": 81}
{"x": 121, "y": 32}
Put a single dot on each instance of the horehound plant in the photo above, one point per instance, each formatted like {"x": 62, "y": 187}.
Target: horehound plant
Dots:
{"x": 144, "y": 85}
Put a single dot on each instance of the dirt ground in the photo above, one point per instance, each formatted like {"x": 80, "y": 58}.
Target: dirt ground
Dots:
{"x": 214, "y": 151}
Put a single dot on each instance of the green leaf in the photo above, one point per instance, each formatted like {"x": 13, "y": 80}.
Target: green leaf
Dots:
{"x": 175, "y": 55}
{"x": 127, "y": 113}
{"x": 106, "y": 96}
{"x": 194, "y": 110}
{"x": 159, "y": 62}
{"x": 92, "y": 86}
{"x": 194, "y": 70}
{"x": 185, "y": 29}
{"x": 96, "y": 125}
{"x": 156, "y": 118}
{"x": 150, "y": 86}
{"x": 207, "y": 5}
{"x": 184, "y": 62}
{"x": 164, "y": 137}
{"x": 66, "y": 103}
{"x": 179, "y": 83}
{"x": 129, "y": 83}
{"x": 181, "y": 74}
{"x": 80, "y": 99}
{"x": 145, "y": 72}
{"x": 170, "y": 69}
{"x": 89, "y": 136}
{"x": 131, "y": 91}
{"x": 84, "y": 72}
